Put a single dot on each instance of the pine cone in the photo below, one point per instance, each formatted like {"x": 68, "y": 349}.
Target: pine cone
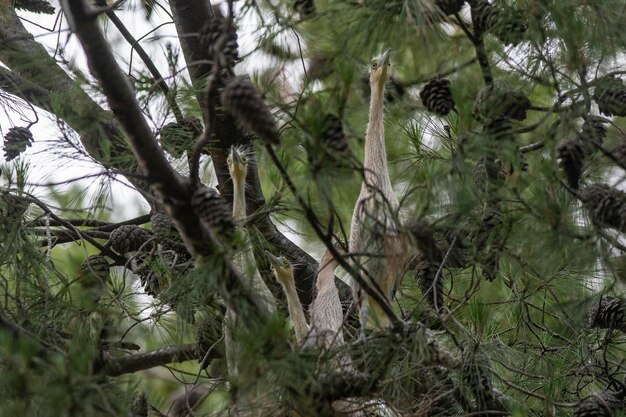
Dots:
{"x": 499, "y": 129}
{"x": 602, "y": 404}
{"x": 213, "y": 210}
{"x": 128, "y": 238}
{"x": 306, "y": 8}
{"x": 499, "y": 99}
{"x": 450, "y": 6}
{"x": 210, "y": 36}
{"x": 16, "y": 141}
{"x": 163, "y": 229}
{"x": 35, "y": 6}
{"x": 507, "y": 26}
{"x": 477, "y": 375}
{"x": 333, "y": 137}
{"x": 610, "y": 94}
{"x": 242, "y": 100}
{"x": 572, "y": 154}
{"x": 150, "y": 282}
{"x": 139, "y": 408}
{"x": 176, "y": 138}
{"x": 96, "y": 267}
{"x": 606, "y": 206}
{"x": 608, "y": 313}
{"x": 208, "y": 331}
{"x": 619, "y": 153}
{"x": 433, "y": 291}
{"x": 594, "y": 129}
{"x": 437, "y": 97}
{"x": 484, "y": 15}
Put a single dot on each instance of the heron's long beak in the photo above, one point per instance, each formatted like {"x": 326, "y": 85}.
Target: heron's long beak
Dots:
{"x": 274, "y": 260}
{"x": 235, "y": 156}
{"x": 384, "y": 59}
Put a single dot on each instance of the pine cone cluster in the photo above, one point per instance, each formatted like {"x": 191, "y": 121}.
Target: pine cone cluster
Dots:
{"x": 176, "y": 138}
{"x": 128, "y": 238}
{"x": 450, "y": 6}
{"x": 610, "y": 94}
{"x": 35, "y": 6}
{"x": 602, "y": 404}
{"x": 306, "y": 8}
{"x": 16, "y": 141}
{"x": 608, "y": 313}
{"x": 213, "y": 210}
{"x": 96, "y": 267}
{"x": 605, "y": 205}
{"x": 437, "y": 97}
{"x": 572, "y": 154}
{"x": 499, "y": 100}
{"x": 243, "y": 101}
{"x": 333, "y": 137}
{"x": 220, "y": 41}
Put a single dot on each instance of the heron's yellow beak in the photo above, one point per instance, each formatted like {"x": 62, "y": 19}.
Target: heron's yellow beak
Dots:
{"x": 235, "y": 156}
{"x": 384, "y": 59}
{"x": 274, "y": 260}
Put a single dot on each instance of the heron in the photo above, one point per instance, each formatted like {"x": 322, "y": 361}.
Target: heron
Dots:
{"x": 326, "y": 313}
{"x": 283, "y": 271}
{"x": 373, "y": 228}
{"x": 244, "y": 259}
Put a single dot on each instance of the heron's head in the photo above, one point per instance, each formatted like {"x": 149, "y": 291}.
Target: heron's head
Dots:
{"x": 237, "y": 163}
{"x": 283, "y": 270}
{"x": 380, "y": 70}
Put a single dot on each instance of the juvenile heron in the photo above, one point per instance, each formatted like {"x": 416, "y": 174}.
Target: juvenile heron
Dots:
{"x": 283, "y": 271}
{"x": 238, "y": 167}
{"x": 326, "y": 313}
{"x": 374, "y": 239}
{"x": 244, "y": 259}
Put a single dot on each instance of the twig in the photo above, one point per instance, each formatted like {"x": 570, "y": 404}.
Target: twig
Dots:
{"x": 171, "y": 100}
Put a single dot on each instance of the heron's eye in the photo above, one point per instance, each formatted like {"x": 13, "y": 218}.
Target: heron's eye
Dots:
{"x": 244, "y": 159}
{"x": 374, "y": 65}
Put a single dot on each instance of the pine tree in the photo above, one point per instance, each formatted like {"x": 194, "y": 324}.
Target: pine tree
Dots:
{"x": 504, "y": 142}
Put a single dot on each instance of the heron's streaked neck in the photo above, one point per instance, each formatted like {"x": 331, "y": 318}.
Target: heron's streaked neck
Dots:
{"x": 326, "y": 276}
{"x": 239, "y": 199}
{"x": 375, "y": 163}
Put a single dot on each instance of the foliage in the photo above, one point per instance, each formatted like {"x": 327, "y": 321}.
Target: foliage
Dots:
{"x": 502, "y": 122}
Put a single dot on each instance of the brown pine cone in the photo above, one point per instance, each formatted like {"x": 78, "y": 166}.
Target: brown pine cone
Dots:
{"x": 605, "y": 205}
{"x": 128, "y": 238}
{"x": 242, "y": 100}
{"x": 607, "y": 313}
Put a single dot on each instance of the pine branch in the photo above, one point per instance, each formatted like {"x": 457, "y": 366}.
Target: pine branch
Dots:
{"x": 173, "y": 191}
{"x": 189, "y": 17}
{"x": 159, "y": 357}
{"x": 171, "y": 100}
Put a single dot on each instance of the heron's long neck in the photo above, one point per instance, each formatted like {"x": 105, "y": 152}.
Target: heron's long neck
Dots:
{"x": 239, "y": 200}
{"x": 375, "y": 164}
{"x": 326, "y": 276}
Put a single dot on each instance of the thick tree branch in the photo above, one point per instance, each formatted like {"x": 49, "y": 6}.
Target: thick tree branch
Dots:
{"x": 133, "y": 363}
{"x": 189, "y": 17}
{"x": 172, "y": 190}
